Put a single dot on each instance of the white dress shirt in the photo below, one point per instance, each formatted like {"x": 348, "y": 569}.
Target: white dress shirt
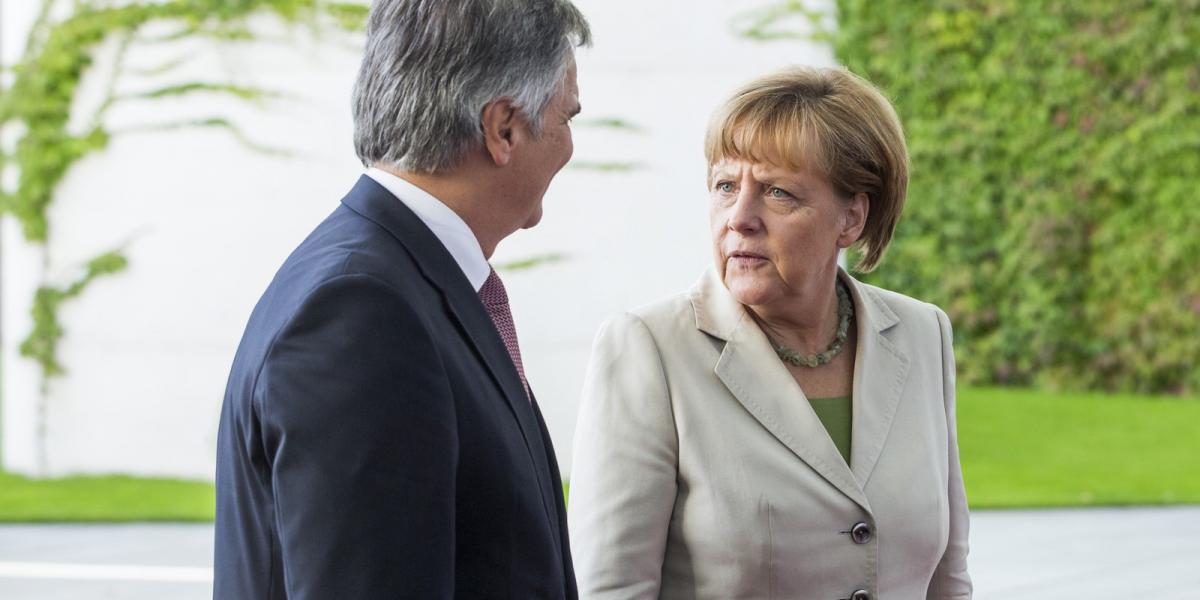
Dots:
{"x": 449, "y": 228}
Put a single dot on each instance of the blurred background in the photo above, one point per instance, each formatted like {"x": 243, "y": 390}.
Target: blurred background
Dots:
{"x": 160, "y": 159}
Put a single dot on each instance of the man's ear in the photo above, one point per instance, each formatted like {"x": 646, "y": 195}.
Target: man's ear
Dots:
{"x": 499, "y": 122}
{"x": 855, "y": 219}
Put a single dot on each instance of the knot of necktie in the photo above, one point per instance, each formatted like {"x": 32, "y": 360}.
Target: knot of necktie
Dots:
{"x": 493, "y": 293}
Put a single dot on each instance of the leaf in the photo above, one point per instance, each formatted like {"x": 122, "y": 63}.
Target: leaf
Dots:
{"x": 210, "y": 122}
{"x": 531, "y": 262}
{"x": 183, "y": 89}
{"x": 605, "y": 166}
{"x": 611, "y": 123}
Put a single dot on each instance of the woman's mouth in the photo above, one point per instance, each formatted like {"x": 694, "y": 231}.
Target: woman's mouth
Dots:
{"x": 746, "y": 259}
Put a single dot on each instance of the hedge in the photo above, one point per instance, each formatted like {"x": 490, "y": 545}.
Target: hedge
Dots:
{"x": 1053, "y": 206}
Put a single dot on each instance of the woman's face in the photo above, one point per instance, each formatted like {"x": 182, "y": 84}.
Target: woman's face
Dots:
{"x": 776, "y": 232}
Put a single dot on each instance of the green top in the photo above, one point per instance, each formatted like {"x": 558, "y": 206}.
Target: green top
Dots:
{"x": 835, "y": 415}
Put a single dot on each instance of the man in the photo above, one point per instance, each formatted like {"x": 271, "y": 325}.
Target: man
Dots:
{"x": 378, "y": 438}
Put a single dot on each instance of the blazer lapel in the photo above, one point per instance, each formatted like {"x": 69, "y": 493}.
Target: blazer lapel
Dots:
{"x": 880, "y": 372}
{"x": 375, "y": 203}
{"x": 754, "y": 375}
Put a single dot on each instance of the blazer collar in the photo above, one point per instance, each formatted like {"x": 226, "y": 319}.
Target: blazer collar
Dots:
{"x": 719, "y": 314}
{"x": 374, "y": 202}
{"x": 755, "y": 376}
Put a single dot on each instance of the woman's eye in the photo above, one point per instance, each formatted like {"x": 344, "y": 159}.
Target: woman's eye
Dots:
{"x": 778, "y": 193}
{"x": 724, "y": 187}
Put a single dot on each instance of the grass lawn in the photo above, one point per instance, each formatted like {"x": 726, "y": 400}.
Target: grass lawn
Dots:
{"x": 108, "y": 499}
{"x": 1020, "y": 448}
{"x": 1023, "y": 448}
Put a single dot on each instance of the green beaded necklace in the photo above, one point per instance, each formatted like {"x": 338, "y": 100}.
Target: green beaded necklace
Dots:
{"x": 845, "y": 314}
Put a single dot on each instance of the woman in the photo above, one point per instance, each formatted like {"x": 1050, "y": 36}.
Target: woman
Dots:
{"x": 781, "y": 430}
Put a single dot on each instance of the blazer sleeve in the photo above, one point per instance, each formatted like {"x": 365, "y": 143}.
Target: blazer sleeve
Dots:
{"x": 623, "y": 479}
{"x": 950, "y": 579}
{"x": 359, "y": 430}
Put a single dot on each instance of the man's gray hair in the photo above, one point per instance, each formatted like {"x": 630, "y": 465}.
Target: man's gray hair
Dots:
{"x": 431, "y": 66}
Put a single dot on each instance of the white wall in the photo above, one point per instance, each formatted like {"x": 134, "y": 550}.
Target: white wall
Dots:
{"x": 206, "y": 223}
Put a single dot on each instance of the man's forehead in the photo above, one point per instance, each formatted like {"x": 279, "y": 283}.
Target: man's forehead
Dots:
{"x": 572, "y": 89}
{"x": 572, "y": 78}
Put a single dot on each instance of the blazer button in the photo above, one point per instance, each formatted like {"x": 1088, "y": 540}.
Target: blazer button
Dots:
{"x": 861, "y": 534}
{"x": 860, "y": 595}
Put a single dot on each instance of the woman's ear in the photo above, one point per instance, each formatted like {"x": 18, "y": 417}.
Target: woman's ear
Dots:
{"x": 499, "y": 121}
{"x": 855, "y": 219}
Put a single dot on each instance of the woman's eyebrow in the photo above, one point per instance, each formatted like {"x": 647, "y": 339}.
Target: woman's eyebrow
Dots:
{"x": 791, "y": 180}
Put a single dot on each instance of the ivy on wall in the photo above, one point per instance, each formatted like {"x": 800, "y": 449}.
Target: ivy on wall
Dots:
{"x": 45, "y": 80}
{"x": 1053, "y": 207}
{"x": 42, "y": 344}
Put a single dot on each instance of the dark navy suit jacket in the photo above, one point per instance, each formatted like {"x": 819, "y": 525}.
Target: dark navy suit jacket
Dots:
{"x": 375, "y": 439}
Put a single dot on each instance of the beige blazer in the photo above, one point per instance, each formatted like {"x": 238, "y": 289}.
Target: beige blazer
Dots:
{"x": 701, "y": 471}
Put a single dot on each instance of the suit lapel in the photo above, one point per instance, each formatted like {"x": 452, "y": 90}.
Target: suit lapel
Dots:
{"x": 754, "y": 375}
{"x": 880, "y": 372}
{"x": 375, "y": 203}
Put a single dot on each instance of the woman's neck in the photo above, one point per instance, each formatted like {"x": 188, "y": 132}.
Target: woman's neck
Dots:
{"x": 806, "y": 321}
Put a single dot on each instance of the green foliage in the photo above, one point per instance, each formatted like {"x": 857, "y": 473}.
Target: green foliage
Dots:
{"x": 58, "y": 55}
{"x": 785, "y": 20}
{"x": 244, "y": 93}
{"x": 350, "y": 16}
{"x": 525, "y": 264}
{"x": 614, "y": 123}
{"x": 605, "y": 166}
{"x": 46, "y": 79}
{"x": 1052, "y": 211}
{"x": 42, "y": 343}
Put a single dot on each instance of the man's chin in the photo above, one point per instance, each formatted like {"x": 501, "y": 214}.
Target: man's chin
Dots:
{"x": 534, "y": 218}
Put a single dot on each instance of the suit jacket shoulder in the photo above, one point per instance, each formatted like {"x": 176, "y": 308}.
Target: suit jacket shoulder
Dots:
{"x": 909, "y": 310}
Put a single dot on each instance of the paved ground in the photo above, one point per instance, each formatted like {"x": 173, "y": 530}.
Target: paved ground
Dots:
{"x": 1096, "y": 554}
{"x": 93, "y": 562}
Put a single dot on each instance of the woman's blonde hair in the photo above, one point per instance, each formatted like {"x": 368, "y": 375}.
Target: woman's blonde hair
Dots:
{"x": 830, "y": 121}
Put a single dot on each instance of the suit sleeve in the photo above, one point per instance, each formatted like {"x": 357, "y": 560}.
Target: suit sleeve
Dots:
{"x": 359, "y": 430}
{"x": 950, "y": 579}
{"x": 623, "y": 479}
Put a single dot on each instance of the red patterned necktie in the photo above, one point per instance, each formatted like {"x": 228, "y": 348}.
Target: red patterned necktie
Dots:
{"x": 495, "y": 300}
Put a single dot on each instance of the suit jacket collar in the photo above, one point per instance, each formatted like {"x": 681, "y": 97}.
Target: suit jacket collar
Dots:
{"x": 375, "y": 203}
{"x": 718, "y": 313}
{"x": 454, "y": 233}
{"x": 753, "y": 373}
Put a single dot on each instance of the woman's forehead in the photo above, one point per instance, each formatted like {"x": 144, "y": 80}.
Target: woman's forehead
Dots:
{"x": 790, "y": 143}
{"x": 798, "y": 171}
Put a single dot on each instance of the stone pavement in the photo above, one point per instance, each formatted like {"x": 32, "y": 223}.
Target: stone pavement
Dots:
{"x": 1089, "y": 554}
{"x": 93, "y": 562}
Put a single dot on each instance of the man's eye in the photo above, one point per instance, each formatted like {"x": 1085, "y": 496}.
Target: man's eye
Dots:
{"x": 724, "y": 187}
{"x": 778, "y": 193}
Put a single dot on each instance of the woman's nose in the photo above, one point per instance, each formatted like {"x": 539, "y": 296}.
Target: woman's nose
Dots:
{"x": 743, "y": 216}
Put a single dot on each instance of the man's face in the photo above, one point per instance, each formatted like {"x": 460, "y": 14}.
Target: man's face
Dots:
{"x": 543, "y": 158}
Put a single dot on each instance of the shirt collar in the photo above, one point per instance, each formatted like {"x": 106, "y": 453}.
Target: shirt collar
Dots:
{"x": 449, "y": 228}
